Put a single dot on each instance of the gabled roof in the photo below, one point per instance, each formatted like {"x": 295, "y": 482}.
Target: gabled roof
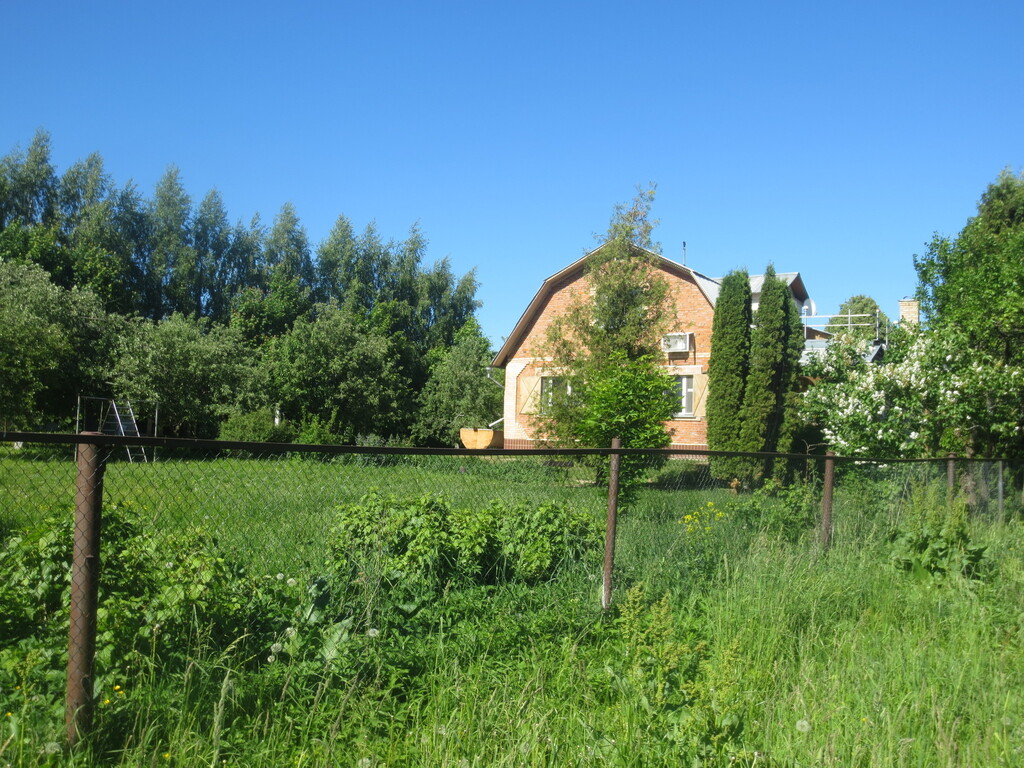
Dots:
{"x": 791, "y": 279}
{"x": 708, "y": 286}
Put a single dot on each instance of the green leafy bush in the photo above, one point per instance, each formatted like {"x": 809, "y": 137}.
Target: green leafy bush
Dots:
{"x": 317, "y": 431}
{"x": 427, "y": 541}
{"x": 257, "y": 427}
{"x": 934, "y": 539}
{"x": 162, "y": 599}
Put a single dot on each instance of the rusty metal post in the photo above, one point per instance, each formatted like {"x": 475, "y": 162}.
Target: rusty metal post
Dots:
{"x": 84, "y": 585}
{"x": 950, "y": 475}
{"x": 826, "y": 499}
{"x": 609, "y": 529}
{"x": 1002, "y": 511}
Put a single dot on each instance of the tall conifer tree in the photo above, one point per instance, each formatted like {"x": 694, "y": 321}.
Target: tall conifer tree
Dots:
{"x": 775, "y": 344}
{"x": 727, "y": 369}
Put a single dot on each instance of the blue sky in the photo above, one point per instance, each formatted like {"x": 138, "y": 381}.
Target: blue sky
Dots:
{"x": 828, "y": 138}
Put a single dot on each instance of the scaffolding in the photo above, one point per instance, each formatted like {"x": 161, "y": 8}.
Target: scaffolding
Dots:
{"x": 847, "y": 321}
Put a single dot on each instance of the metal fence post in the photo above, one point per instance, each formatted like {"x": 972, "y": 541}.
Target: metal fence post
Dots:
{"x": 1002, "y": 514}
{"x": 609, "y": 530}
{"x": 950, "y": 475}
{"x": 826, "y": 499}
{"x": 84, "y": 585}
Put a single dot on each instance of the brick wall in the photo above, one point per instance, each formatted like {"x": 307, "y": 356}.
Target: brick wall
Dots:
{"x": 692, "y": 314}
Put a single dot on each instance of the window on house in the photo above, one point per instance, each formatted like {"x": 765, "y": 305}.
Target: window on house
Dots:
{"x": 550, "y": 388}
{"x": 684, "y": 396}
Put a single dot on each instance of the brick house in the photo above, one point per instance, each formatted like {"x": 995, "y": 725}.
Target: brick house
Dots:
{"x": 686, "y": 348}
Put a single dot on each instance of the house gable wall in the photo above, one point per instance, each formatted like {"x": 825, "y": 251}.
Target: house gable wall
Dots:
{"x": 691, "y": 313}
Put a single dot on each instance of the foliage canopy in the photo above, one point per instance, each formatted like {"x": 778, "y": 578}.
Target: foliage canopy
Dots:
{"x": 105, "y": 292}
{"x": 604, "y": 348}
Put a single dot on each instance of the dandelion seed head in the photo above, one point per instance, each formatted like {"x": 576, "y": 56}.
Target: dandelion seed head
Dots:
{"x": 372, "y": 632}
{"x": 804, "y": 726}
{"x": 276, "y": 648}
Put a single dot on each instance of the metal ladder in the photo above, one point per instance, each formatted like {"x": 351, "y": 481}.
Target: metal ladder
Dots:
{"x": 117, "y": 423}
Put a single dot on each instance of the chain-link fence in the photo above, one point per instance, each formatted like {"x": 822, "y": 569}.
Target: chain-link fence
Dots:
{"x": 236, "y": 543}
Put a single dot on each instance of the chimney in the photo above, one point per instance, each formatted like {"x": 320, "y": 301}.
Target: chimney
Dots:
{"x": 910, "y": 311}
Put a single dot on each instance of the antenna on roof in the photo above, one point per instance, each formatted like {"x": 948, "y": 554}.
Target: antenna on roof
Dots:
{"x": 684, "y": 253}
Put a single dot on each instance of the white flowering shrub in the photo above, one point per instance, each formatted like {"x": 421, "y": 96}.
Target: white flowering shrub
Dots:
{"x": 933, "y": 394}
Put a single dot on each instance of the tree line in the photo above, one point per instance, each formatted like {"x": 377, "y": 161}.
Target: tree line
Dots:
{"x": 107, "y": 292}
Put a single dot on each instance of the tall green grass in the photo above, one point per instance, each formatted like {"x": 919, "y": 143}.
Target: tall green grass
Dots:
{"x": 766, "y": 651}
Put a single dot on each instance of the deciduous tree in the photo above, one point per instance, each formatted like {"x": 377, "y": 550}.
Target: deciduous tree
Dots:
{"x": 972, "y": 291}
{"x": 173, "y": 278}
{"x": 28, "y": 184}
{"x": 605, "y": 346}
{"x": 975, "y": 281}
{"x": 54, "y": 344}
{"x": 458, "y": 393}
{"x": 335, "y": 369}
{"x": 195, "y": 370}
{"x": 286, "y": 249}
{"x": 211, "y": 242}
{"x": 859, "y": 317}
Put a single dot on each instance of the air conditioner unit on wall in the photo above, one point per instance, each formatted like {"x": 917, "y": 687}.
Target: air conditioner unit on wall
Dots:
{"x": 676, "y": 342}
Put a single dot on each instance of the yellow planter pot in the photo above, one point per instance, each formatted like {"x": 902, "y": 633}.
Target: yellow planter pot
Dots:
{"x": 480, "y": 439}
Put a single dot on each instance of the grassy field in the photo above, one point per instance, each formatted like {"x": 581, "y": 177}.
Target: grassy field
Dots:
{"x": 734, "y": 639}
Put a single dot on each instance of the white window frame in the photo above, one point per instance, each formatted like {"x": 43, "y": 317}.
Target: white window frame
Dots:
{"x": 683, "y": 389}
{"x": 548, "y": 385}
